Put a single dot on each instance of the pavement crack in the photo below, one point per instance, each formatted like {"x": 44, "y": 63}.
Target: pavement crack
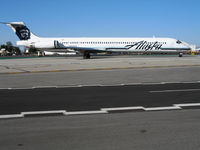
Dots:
{"x": 5, "y": 67}
{"x": 19, "y": 69}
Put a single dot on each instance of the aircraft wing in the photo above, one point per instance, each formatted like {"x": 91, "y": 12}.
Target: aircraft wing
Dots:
{"x": 92, "y": 49}
{"x": 87, "y": 49}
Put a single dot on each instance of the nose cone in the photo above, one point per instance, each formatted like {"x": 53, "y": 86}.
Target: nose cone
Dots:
{"x": 183, "y": 45}
{"x": 186, "y": 46}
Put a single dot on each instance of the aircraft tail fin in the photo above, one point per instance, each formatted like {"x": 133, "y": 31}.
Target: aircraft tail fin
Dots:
{"x": 21, "y": 30}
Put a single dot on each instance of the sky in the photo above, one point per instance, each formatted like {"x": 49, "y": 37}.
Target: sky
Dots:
{"x": 178, "y": 19}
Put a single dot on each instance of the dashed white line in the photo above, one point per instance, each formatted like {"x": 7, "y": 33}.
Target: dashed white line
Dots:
{"x": 85, "y": 112}
{"x": 80, "y": 85}
{"x": 134, "y": 83}
{"x": 162, "y": 108}
{"x": 69, "y": 86}
{"x": 101, "y": 111}
{"x": 187, "y": 105}
{"x": 170, "y": 82}
{"x": 40, "y": 87}
{"x": 44, "y": 112}
{"x": 188, "y": 82}
{"x": 178, "y": 90}
{"x": 11, "y": 116}
{"x": 21, "y": 88}
{"x": 101, "y": 85}
{"x": 123, "y": 108}
{"x": 3, "y": 88}
{"x": 155, "y": 83}
{"x": 142, "y": 108}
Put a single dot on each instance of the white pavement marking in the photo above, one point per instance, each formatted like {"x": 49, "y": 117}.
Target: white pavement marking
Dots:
{"x": 3, "y": 88}
{"x": 68, "y": 86}
{"x": 90, "y": 85}
{"x": 11, "y": 116}
{"x": 102, "y": 85}
{"x": 44, "y": 112}
{"x": 102, "y": 111}
{"x": 162, "y": 108}
{"x": 123, "y": 108}
{"x": 153, "y": 83}
{"x": 41, "y": 87}
{"x": 179, "y": 90}
{"x": 21, "y": 88}
{"x": 185, "y": 82}
{"x": 187, "y": 105}
{"x": 170, "y": 82}
{"x": 85, "y": 112}
{"x": 134, "y": 83}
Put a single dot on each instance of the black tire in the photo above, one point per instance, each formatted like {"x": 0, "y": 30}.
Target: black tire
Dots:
{"x": 180, "y": 55}
{"x": 86, "y": 55}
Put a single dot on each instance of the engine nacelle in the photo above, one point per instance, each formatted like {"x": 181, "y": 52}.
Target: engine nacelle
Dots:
{"x": 23, "y": 43}
{"x": 46, "y": 45}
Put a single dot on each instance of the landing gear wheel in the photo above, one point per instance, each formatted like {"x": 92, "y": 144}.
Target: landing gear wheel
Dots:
{"x": 180, "y": 55}
{"x": 86, "y": 55}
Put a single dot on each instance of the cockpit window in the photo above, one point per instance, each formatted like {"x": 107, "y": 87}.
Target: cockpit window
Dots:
{"x": 178, "y": 42}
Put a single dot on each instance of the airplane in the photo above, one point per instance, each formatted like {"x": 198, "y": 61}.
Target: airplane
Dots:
{"x": 87, "y": 46}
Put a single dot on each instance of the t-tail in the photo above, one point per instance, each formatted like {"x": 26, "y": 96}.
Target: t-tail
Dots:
{"x": 21, "y": 30}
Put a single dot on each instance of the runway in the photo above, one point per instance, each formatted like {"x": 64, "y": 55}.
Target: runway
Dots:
{"x": 96, "y": 98}
{"x": 140, "y": 103}
{"x": 91, "y": 91}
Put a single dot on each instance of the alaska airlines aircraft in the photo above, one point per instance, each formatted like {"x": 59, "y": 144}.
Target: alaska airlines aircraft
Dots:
{"x": 97, "y": 45}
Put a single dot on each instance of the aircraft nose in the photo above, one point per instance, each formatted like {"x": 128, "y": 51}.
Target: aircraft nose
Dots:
{"x": 187, "y": 47}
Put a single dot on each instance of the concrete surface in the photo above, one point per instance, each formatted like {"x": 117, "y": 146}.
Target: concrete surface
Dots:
{"x": 53, "y": 64}
{"x": 101, "y": 77}
{"x": 143, "y": 130}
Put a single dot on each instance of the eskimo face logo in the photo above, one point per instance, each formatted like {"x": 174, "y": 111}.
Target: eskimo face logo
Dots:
{"x": 23, "y": 33}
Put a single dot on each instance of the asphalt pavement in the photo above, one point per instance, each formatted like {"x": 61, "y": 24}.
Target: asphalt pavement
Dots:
{"x": 163, "y": 130}
{"x": 94, "y": 98}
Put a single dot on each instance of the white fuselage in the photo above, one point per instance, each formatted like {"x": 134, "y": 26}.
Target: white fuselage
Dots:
{"x": 109, "y": 44}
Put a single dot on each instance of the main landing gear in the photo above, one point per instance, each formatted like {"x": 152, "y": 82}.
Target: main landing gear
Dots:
{"x": 180, "y": 55}
{"x": 86, "y": 55}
